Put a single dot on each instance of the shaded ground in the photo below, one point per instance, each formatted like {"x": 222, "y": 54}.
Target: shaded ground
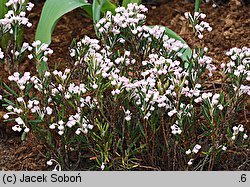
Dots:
{"x": 231, "y": 28}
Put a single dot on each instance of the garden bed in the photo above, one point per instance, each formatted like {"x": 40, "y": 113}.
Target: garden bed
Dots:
{"x": 231, "y": 28}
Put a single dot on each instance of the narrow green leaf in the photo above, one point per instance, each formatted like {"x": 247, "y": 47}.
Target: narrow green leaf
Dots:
{"x": 142, "y": 129}
{"x": 52, "y": 11}
{"x": 10, "y": 90}
{"x": 9, "y": 102}
{"x": 33, "y": 122}
{"x": 23, "y": 137}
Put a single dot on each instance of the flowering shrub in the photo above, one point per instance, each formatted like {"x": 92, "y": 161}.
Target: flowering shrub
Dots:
{"x": 129, "y": 101}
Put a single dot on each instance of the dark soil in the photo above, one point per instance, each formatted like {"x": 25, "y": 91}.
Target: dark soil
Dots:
{"x": 231, "y": 28}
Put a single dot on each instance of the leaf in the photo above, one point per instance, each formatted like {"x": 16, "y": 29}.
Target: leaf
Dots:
{"x": 186, "y": 53}
{"x": 3, "y": 8}
{"x": 126, "y": 2}
{"x": 206, "y": 115}
{"x": 197, "y": 5}
{"x": 142, "y": 129}
{"x": 52, "y": 11}
{"x": 9, "y": 102}
{"x": 88, "y": 9}
{"x": 34, "y": 122}
{"x": 10, "y": 90}
{"x": 23, "y": 137}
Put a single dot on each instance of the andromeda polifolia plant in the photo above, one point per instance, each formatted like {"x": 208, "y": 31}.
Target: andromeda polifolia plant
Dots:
{"x": 129, "y": 101}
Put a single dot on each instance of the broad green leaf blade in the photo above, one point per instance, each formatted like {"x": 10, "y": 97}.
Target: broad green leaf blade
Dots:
{"x": 126, "y": 2}
{"x": 197, "y": 5}
{"x": 88, "y": 10}
{"x": 52, "y": 11}
{"x": 186, "y": 53}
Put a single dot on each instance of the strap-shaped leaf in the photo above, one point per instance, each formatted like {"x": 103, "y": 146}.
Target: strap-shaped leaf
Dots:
{"x": 52, "y": 11}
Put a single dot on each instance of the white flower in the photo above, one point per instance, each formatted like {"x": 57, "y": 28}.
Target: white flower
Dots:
{"x": 36, "y": 43}
{"x": 49, "y": 163}
{"x": 1, "y": 54}
{"x": 245, "y": 136}
{"x": 128, "y": 118}
{"x": 220, "y": 107}
{"x": 127, "y": 115}
{"x": 102, "y": 166}
{"x": 60, "y": 132}
{"x": 49, "y": 110}
{"x": 95, "y": 86}
{"x": 241, "y": 128}
{"x": 176, "y": 129}
{"x": 186, "y": 14}
{"x": 26, "y": 130}
{"x": 78, "y": 131}
{"x": 47, "y": 74}
{"x": 6, "y": 116}
{"x": 198, "y": 100}
{"x": 188, "y": 152}
{"x": 20, "y": 99}
{"x": 90, "y": 126}
{"x": 1, "y": 97}
{"x": 196, "y": 148}
{"x": 190, "y": 162}
{"x": 224, "y": 148}
{"x": 61, "y": 122}
{"x": 19, "y": 121}
{"x": 236, "y": 130}
{"x": 53, "y": 126}
{"x": 61, "y": 127}
{"x": 16, "y": 128}
{"x": 172, "y": 112}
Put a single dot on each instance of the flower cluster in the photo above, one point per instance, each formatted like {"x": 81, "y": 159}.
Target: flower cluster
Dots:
{"x": 175, "y": 128}
{"x": 16, "y": 16}
{"x": 37, "y": 50}
{"x": 239, "y": 129}
{"x": 195, "y": 150}
{"x": 239, "y": 68}
{"x": 199, "y": 26}
{"x": 124, "y": 18}
{"x": 82, "y": 122}
{"x": 20, "y": 122}
{"x": 45, "y": 111}
{"x": 21, "y": 81}
{"x": 211, "y": 99}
